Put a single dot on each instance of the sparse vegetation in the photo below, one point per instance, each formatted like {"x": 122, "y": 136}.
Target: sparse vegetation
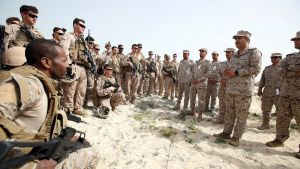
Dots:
{"x": 294, "y": 126}
{"x": 220, "y": 141}
{"x": 192, "y": 128}
{"x": 168, "y": 132}
{"x": 190, "y": 140}
{"x": 138, "y": 117}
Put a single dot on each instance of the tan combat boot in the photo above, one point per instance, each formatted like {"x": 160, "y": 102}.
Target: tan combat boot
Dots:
{"x": 234, "y": 142}
{"x": 190, "y": 113}
{"x": 223, "y": 135}
{"x": 265, "y": 123}
{"x": 80, "y": 112}
{"x": 218, "y": 120}
{"x": 177, "y": 107}
{"x": 274, "y": 143}
{"x": 298, "y": 153}
{"x": 199, "y": 119}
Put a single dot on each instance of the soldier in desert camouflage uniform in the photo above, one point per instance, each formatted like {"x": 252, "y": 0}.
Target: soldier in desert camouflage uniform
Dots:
{"x": 27, "y": 32}
{"x": 169, "y": 72}
{"x": 212, "y": 83}
{"x": 244, "y": 67}
{"x": 185, "y": 72}
{"x": 223, "y": 80}
{"x": 289, "y": 106}
{"x": 269, "y": 86}
{"x": 201, "y": 72}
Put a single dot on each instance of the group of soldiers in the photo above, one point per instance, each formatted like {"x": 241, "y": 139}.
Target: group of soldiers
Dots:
{"x": 43, "y": 76}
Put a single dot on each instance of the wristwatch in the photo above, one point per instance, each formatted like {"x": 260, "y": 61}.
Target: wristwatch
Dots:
{"x": 236, "y": 72}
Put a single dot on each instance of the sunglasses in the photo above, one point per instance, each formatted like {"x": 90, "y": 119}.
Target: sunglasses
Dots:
{"x": 97, "y": 49}
{"x": 61, "y": 34}
{"x": 81, "y": 25}
{"x": 274, "y": 57}
{"x": 32, "y": 15}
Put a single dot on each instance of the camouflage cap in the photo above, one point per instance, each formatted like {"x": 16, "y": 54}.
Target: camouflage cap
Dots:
{"x": 276, "y": 55}
{"x": 107, "y": 44}
{"x": 242, "y": 33}
{"x": 215, "y": 53}
{"x": 166, "y": 56}
{"x": 14, "y": 56}
{"x": 96, "y": 46}
{"x": 108, "y": 66}
{"x": 296, "y": 37}
{"x": 186, "y": 51}
{"x": 203, "y": 49}
{"x": 230, "y": 50}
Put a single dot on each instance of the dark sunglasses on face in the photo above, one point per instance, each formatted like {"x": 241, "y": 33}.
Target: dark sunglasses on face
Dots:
{"x": 97, "y": 49}
{"x": 274, "y": 57}
{"x": 32, "y": 15}
{"x": 61, "y": 34}
{"x": 81, "y": 25}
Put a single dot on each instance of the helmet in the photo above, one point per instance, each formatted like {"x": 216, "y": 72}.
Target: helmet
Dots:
{"x": 14, "y": 56}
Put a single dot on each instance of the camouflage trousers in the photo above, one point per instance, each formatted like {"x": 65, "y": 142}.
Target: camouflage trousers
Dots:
{"x": 74, "y": 92}
{"x": 287, "y": 109}
{"x": 151, "y": 86}
{"x": 143, "y": 86}
{"x": 175, "y": 91}
{"x": 132, "y": 84}
{"x": 184, "y": 88}
{"x": 86, "y": 158}
{"x": 112, "y": 101}
{"x": 169, "y": 87}
{"x": 222, "y": 103}
{"x": 267, "y": 103}
{"x": 118, "y": 78}
{"x": 123, "y": 81}
{"x": 159, "y": 84}
{"x": 211, "y": 94}
{"x": 90, "y": 86}
{"x": 200, "y": 92}
{"x": 237, "y": 110}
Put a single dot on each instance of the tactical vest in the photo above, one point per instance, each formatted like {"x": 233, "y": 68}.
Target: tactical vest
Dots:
{"x": 77, "y": 52}
{"x": 55, "y": 119}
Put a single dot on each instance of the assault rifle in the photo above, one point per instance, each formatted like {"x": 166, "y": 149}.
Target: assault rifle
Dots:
{"x": 57, "y": 149}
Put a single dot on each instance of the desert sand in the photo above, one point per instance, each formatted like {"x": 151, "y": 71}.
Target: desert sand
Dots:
{"x": 149, "y": 135}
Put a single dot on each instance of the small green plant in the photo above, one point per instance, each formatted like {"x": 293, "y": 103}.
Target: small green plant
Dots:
{"x": 192, "y": 127}
{"x": 220, "y": 141}
{"x": 152, "y": 127}
{"x": 168, "y": 132}
{"x": 294, "y": 126}
{"x": 138, "y": 117}
{"x": 190, "y": 140}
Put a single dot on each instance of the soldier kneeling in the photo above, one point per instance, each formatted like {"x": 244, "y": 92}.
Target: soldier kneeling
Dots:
{"x": 108, "y": 94}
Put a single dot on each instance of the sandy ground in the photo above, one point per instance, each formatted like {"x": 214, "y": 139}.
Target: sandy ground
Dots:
{"x": 135, "y": 136}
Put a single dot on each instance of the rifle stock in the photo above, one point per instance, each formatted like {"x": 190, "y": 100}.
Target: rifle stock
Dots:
{"x": 57, "y": 149}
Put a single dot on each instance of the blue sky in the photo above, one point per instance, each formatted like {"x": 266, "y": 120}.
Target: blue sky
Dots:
{"x": 171, "y": 26}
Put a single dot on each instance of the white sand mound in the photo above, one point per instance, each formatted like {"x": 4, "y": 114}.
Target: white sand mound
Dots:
{"x": 136, "y": 136}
